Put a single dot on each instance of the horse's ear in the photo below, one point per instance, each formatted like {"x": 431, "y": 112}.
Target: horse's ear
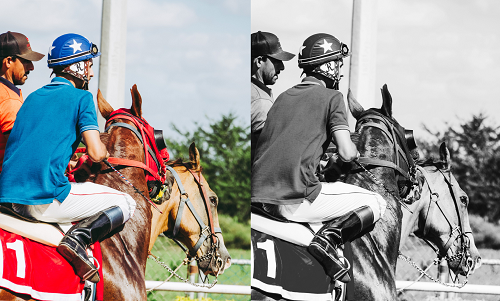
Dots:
{"x": 136, "y": 102}
{"x": 386, "y": 102}
{"x": 354, "y": 106}
{"x": 194, "y": 156}
{"x": 104, "y": 107}
{"x": 444, "y": 154}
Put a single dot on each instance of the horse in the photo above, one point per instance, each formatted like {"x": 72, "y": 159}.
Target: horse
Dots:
{"x": 385, "y": 167}
{"x": 125, "y": 250}
{"x": 440, "y": 217}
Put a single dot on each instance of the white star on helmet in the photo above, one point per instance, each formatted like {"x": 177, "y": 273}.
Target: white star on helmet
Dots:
{"x": 301, "y": 48}
{"x": 76, "y": 46}
{"x": 50, "y": 50}
{"x": 326, "y": 46}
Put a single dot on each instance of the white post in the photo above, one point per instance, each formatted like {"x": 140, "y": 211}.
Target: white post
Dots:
{"x": 363, "y": 49}
{"x": 193, "y": 275}
{"x": 112, "y": 60}
{"x": 443, "y": 277}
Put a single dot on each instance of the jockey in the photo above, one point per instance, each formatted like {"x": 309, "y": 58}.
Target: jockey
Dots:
{"x": 50, "y": 125}
{"x": 299, "y": 127}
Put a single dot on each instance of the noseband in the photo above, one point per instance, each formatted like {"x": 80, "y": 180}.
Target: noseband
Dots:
{"x": 457, "y": 231}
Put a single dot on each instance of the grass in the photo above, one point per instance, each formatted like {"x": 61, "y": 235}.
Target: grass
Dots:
{"x": 172, "y": 255}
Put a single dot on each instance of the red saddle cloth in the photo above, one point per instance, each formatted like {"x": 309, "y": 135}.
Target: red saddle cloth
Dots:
{"x": 32, "y": 268}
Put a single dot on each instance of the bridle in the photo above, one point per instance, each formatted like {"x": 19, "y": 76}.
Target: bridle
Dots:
{"x": 457, "y": 231}
{"x": 401, "y": 149}
{"x": 206, "y": 231}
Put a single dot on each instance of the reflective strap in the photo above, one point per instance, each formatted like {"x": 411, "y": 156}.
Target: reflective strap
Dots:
{"x": 128, "y": 126}
{"x": 181, "y": 205}
{"x": 178, "y": 218}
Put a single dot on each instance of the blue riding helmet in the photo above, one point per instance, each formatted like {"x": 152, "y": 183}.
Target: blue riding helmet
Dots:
{"x": 71, "y": 48}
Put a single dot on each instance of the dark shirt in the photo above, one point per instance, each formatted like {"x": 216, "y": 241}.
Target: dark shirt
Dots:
{"x": 298, "y": 130}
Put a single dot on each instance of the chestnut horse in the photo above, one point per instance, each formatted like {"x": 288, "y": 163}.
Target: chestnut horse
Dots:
{"x": 440, "y": 217}
{"x": 125, "y": 250}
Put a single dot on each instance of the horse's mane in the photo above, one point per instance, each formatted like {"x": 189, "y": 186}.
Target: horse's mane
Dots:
{"x": 437, "y": 163}
{"x": 181, "y": 162}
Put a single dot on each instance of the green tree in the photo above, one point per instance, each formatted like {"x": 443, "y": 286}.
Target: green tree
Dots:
{"x": 224, "y": 148}
{"x": 475, "y": 152}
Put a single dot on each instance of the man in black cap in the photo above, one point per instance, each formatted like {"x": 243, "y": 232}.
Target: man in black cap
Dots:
{"x": 16, "y": 59}
{"x": 267, "y": 62}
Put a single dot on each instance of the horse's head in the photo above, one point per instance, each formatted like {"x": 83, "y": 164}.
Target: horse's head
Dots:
{"x": 382, "y": 142}
{"x": 443, "y": 220}
{"x": 190, "y": 216}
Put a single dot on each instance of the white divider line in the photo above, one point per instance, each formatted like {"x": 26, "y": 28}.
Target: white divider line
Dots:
{"x": 186, "y": 287}
{"x": 436, "y": 287}
{"x": 490, "y": 261}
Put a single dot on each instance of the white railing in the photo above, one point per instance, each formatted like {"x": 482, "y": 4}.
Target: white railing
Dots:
{"x": 436, "y": 287}
{"x": 186, "y": 287}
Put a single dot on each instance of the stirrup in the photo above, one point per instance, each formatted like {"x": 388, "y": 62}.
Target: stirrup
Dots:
{"x": 76, "y": 255}
{"x": 335, "y": 267}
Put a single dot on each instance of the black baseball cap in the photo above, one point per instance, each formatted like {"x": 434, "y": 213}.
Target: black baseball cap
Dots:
{"x": 17, "y": 44}
{"x": 266, "y": 43}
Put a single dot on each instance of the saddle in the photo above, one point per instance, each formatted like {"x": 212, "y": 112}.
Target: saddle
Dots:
{"x": 282, "y": 264}
{"x": 30, "y": 263}
{"x": 46, "y": 233}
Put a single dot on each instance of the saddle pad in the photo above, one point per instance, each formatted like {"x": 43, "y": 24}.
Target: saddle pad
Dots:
{"x": 292, "y": 232}
{"x": 287, "y": 269}
{"x": 29, "y": 267}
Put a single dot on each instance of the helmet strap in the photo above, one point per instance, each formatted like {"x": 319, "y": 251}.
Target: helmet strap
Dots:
{"x": 79, "y": 70}
{"x": 330, "y": 70}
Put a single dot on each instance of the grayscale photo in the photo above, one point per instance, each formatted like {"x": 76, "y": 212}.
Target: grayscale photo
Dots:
{"x": 375, "y": 132}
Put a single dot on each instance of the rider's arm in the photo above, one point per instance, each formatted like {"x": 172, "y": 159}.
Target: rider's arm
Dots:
{"x": 95, "y": 148}
{"x": 346, "y": 149}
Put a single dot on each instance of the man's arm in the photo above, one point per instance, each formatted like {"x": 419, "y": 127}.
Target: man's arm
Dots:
{"x": 346, "y": 148}
{"x": 95, "y": 148}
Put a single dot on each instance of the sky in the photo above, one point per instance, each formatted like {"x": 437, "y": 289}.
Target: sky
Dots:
{"x": 189, "y": 59}
{"x": 439, "y": 59}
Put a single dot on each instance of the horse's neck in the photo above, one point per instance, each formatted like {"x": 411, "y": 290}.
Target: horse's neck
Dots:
{"x": 161, "y": 222}
{"x": 375, "y": 253}
{"x": 409, "y": 223}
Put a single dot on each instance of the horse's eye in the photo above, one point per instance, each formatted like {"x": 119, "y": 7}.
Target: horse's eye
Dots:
{"x": 213, "y": 200}
{"x": 464, "y": 200}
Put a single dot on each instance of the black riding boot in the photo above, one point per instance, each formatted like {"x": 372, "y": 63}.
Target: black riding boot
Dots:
{"x": 74, "y": 244}
{"x": 335, "y": 233}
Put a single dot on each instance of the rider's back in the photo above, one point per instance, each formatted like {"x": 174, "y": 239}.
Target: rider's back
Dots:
{"x": 45, "y": 131}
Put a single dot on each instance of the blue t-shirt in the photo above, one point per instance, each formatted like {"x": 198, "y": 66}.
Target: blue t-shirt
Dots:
{"x": 47, "y": 131}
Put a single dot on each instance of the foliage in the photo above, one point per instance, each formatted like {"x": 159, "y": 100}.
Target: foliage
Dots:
{"x": 486, "y": 235}
{"x": 224, "y": 148}
{"x": 475, "y": 152}
{"x": 236, "y": 235}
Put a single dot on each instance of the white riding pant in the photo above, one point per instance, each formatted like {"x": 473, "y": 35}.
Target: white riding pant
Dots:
{"x": 84, "y": 200}
{"x": 334, "y": 200}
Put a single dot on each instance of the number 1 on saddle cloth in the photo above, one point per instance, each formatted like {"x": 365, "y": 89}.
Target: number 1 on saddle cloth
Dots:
{"x": 30, "y": 263}
{"x": 283, "y": 265}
